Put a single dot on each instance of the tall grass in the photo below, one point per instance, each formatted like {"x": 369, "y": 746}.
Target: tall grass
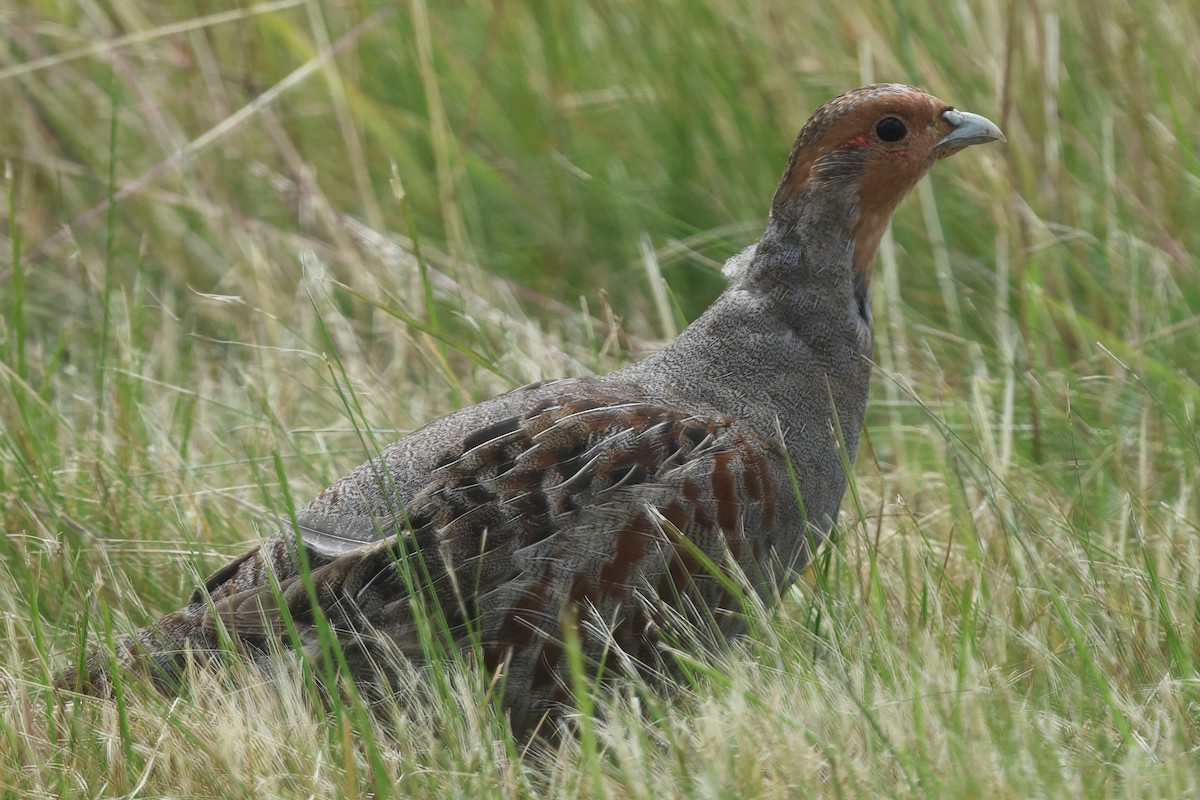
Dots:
{"x": 248, "y": 246}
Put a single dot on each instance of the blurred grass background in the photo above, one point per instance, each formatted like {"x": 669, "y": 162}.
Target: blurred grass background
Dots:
{"x": 245, "y": 245}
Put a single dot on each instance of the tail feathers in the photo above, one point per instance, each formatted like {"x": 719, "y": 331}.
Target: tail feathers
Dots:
{"x": 353, "y": 595}
{"x": 161, "y": 651}
{"x": 158, "y": 652}
{"x": 358, "y": 596}
{"x": 367, "y": 600}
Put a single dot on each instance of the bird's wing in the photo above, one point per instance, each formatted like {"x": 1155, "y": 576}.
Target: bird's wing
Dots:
{"x": 535, "y": 503}
{"x": 370, "y": 502}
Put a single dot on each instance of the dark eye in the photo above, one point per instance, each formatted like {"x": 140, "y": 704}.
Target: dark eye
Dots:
{"x": 890, "y": 129}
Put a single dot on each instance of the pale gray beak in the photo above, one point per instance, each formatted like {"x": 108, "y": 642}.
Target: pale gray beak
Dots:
{"x": 969, "y": 129}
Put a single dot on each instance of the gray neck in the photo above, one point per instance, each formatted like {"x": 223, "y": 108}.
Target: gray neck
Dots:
{"x": 792, "y": 332}
{"x": 805, "y": 256}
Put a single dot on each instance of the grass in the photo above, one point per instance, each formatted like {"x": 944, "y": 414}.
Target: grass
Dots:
{"x": 248, "y": 246}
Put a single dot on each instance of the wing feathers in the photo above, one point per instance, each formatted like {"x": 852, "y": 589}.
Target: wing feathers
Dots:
{"x": 523, "y": 518}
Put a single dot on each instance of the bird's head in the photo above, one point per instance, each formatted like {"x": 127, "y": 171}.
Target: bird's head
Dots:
{"x": 862, "y": 152}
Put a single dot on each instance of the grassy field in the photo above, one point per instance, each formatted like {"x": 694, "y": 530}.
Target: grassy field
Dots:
{"x": 246, "y": 245}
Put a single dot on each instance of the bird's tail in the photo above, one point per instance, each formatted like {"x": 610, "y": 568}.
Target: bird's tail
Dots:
{"x": 159, "y": 652}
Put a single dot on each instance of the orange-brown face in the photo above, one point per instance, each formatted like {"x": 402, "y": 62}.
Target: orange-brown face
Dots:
{"x": 874, "y": 144}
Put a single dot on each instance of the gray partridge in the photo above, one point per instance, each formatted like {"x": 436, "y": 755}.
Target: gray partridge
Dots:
{"x": 606, "y": 503}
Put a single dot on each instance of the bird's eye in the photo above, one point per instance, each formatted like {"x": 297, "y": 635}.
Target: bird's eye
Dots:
{"x": 890, "y": 129}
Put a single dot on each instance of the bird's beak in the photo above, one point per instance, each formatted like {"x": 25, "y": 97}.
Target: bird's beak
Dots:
{"x": 969, "y": 129}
